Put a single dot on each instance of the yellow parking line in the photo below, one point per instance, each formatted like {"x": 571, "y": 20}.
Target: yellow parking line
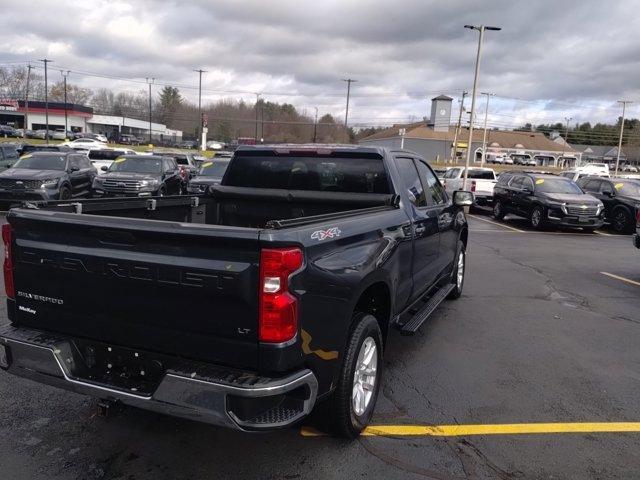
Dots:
{"x": 622, "y": 279}
{"x": 495, "y": 429}
{"x": 496, "y": 223}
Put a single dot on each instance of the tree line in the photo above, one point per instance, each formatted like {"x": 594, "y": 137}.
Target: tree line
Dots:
{"x": 226, "y": 119}
{"x": 587, "y": 134}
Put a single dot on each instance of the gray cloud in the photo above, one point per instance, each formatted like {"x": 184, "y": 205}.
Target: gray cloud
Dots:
{"x": 557, "y": 56}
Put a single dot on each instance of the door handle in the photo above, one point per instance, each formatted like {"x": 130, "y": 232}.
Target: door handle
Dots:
{"x": 419, "y": 229}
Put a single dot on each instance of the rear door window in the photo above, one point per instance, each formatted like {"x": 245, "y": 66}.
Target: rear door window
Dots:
{"x": 516, "y": 182}
{"x": 592, "y": 186}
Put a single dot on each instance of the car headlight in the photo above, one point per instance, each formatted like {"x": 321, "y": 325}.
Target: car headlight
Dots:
{"x": 49, "y": 183}
{"x": 97, "y": 182}
{"x": 559, "y": 205}
{"x": 149, "y": 183}
{"x": 600, "y": 208}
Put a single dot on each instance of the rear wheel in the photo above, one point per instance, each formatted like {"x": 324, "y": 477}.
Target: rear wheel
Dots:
{"x": 350, "y": 408}
{"x": 537, "y": 218}
{"x": 498, "y": 210}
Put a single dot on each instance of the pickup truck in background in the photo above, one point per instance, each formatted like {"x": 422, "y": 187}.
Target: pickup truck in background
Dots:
{"x": 247, "y": 306}
{"x": 480, "y": 181}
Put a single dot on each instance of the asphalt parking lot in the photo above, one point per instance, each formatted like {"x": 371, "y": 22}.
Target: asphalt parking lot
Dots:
{"x": 547, "y": 331}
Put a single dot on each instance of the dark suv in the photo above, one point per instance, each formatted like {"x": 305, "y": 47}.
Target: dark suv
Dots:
{"x": 139, "y": 176}
{"x": 546, "y": 200}
{"x": 621, "y": 199}
{"x": 47, "y": 176}
{"x": 210, "y": 173}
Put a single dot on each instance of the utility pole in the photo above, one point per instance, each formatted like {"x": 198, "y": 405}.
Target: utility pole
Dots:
{"x": 484, "y": 137}
{"x": 402, "y": 133}
{"x": 566, "y": 139}
{"x": 481, "y": 29}
{"x": 315, "y": 126}
{"x": 26, "y": 103}
{"x": 200, "y": 127}
{"x": 346, "y": 113}
{"x": 624, "y": 106}
{"x": 66, "y": 120}
{"x": 46, "y": 100}
{"x": 150, "y": 81}
{"x": 454, "y": 148}
{"x": 258, "y": 95}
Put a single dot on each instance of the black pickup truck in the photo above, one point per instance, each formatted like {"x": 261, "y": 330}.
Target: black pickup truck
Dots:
{"x": 246, "y": 306}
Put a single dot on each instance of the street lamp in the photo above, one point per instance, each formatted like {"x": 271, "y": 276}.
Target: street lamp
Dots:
{"x": 64, "y": 76}
{"x": 481, "y": 29}
{"x": 484, "y": 137}
{"x": 566, "y": 140}
{"x": 624, "y": 106}
{"x": 150, "y": 82}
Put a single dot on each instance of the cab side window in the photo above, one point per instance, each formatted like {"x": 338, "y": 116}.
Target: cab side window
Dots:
{"x": 411, "y": 181}
{"x": 592, "y": 186}
{"x": 435, "y": 193}
{"x": 516, "y": 182}
{"x": 527, "y": 183}
{"x": 606, "y": 187}
{"x": 74, "y": 162}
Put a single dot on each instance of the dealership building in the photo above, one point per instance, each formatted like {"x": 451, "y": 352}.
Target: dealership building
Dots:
{"x": 433, "y": 139}
{"x": 79, "y": 118}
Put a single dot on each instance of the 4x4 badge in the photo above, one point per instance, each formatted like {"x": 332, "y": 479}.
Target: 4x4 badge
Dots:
{"x": 320, "y": 235}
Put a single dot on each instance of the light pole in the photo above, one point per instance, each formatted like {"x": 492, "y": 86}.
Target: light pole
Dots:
{"x": 315, "y": 126}
{"x": 346, "y": 112}
{"x": 484, "y": 137}
{"x": 481, "y": 29}
{"x": 624, "y": 106}
{"x": 566, "y": 139}
{"x": 150, "y": 81}
{"x": 402, "y": 132}
{"x": 454, "y": 149}
{"x": 46, "y": 100}
{"x": 200, "y": 128}
{"x": 26, "y": 102}
{"x": 258, "y": 95}
{"x": 66, "y": 120}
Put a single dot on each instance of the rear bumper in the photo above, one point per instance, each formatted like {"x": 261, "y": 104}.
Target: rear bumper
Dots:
{"x": 201, "y": 392}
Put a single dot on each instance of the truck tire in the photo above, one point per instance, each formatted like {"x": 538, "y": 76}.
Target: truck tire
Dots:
{"x": 498, "y": 210}
{"x": 350, "y": 408}
{"x": 458, "y": 272}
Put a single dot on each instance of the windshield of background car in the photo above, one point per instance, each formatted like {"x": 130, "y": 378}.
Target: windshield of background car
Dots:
{"x": 213, "y": 169}
{"x": 139, "y": 164}
{"x": 42, "y": 162}
{"x": 556, "y": 185}
{"x": 630, "y": 189}
{"x": 357, "y": 175}
{"x": 481, "y": 174}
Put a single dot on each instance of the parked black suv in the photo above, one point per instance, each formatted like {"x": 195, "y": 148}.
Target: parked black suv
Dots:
{"x": 29, "y": 148}
{"x": 546, "y": 200}
{"x": 210, "y": 173}
{"x": 621, "y": 199}
{"x": 139, "y": 176}
{"x": 47, "y": 176}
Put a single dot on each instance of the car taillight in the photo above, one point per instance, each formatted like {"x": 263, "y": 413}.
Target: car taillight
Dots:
{"x": 473, "y": 185}
{"x": 7, "y": 237}
{"x": 278, "y": 321}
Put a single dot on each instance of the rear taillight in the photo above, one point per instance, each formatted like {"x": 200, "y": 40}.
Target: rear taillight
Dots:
{"x": 7, "y": 238}
{"x": 473, "y": 185}
{"x": 278, "y": 307}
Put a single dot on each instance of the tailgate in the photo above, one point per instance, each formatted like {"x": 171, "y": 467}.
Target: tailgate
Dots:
{"x": 485, "y": 187}
{"x": 180, "y": 289}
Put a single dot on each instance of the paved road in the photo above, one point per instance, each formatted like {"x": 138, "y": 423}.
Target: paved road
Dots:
{"x": 540, "y": 335}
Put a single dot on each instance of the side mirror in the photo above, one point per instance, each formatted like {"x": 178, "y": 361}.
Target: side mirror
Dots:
{"x": 527, "y": 190}
{"x": 74, "y": 168}
{"x": 609, "y": 193}
{"x": 9, "y": 165}
{"x": 104, "y": 168}
{"x": 462, "y": 198}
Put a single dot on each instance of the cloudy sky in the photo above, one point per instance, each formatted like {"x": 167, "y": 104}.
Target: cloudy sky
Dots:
{"x": 552, "y": 59}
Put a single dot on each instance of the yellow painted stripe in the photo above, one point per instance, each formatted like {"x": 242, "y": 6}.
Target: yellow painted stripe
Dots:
{"x": 622, "y": 279}
{"x": 602, "y": 233}
{"x": 496, "y": 429}
{"x": 496, "y": 223}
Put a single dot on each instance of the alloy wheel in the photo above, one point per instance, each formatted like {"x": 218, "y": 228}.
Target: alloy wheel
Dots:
{"x": 365, "y": 376}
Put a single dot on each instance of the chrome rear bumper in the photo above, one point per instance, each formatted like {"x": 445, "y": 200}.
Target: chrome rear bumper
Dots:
{"x": 210, "y": 394}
